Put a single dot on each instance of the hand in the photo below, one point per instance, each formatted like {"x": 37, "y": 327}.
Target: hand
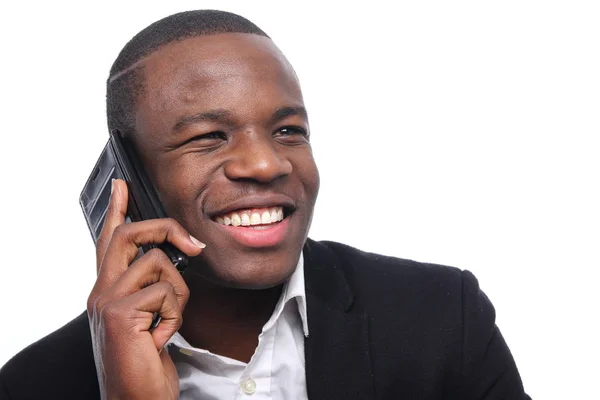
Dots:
{"x": 129, "y": 359}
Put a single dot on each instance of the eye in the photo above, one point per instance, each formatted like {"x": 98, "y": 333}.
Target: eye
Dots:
{"x": 211, "y": 135}
{"x": 207, "y": 139}
{"x": 291, "y": 133}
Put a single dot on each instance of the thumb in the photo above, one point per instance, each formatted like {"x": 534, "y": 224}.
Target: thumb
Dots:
{"x": 115, "y": 216}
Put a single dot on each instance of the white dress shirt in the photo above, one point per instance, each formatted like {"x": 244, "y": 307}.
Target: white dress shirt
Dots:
{"x": 275, "y": 371}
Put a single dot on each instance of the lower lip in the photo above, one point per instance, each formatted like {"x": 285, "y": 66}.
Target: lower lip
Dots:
{"x": 266, "y": 236}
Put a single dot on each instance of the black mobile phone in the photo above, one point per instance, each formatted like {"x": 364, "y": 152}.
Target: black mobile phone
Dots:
{"x": 119, "y": 160}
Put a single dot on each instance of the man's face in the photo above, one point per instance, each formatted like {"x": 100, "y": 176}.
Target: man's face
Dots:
{"x": 222, "y": 131}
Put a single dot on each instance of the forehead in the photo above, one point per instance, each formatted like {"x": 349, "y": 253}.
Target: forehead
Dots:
{"x": 217, "y": 69}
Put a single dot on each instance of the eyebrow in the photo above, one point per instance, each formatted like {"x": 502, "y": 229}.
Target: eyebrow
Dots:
{"x": 226, "y": 118}
{"x": 285, "y": 112}
{"x": 222, "y": 116}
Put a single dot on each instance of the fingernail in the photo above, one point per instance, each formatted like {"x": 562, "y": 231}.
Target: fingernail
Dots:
{"x": 112, "y": 185}
{"x": 197, "y": 242}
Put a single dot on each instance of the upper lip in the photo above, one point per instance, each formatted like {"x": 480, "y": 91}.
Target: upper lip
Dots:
{"x": 257, "y": 201}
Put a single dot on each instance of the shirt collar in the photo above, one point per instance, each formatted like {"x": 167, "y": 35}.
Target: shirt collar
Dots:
{"x": 293, "y": 288}
{"x": 298, "y": 290}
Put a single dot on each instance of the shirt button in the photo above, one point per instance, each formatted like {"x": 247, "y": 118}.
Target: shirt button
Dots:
{"x": 249, "y": 386}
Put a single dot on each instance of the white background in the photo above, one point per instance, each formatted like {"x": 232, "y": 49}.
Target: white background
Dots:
{"x": 462, "y": 133}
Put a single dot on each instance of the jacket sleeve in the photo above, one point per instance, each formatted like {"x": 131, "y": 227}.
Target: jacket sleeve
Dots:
{"x": 488, "y": 368}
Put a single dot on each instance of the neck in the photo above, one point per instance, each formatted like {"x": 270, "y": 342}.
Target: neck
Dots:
{"x": 226, "y": 321}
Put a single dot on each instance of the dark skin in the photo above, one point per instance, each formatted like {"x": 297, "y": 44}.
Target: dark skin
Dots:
{"x": 221, "y": 126}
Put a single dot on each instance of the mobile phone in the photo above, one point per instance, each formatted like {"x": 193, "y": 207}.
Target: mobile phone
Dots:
{"x": 120, "y": 160}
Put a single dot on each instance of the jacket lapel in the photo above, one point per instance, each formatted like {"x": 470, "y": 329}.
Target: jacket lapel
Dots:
{"x": 338, "y": 364}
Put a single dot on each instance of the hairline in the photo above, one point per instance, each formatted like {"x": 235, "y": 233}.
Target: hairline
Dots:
{"x": 137, "y": 69}
{"x": 135, "y": 66}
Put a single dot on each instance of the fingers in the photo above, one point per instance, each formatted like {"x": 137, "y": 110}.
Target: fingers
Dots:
{"x": 135, "y": 313}
{"x": 115, "y": 216}
{"x": 152, "y": 267}
{"x": 127, "y": 238}
{"x": 131, "y": 363}
{"x": 128, "y": 294}
{"x": 126, "y": 297}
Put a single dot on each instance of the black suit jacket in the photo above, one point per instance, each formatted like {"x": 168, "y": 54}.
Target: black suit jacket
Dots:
{"x": 380, "y": 328}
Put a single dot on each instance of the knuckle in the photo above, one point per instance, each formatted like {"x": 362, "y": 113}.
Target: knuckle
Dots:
{"x": 165, "y": 287}
{"x": 109, "y": 312}
{"x": 121, "y": 231}
{"x": 170, "y": 221}
{"x": 167, "y": 290}
{"x": 178, "y": 319}
{"x": 173, "y": 227}
{"x": 157, "y": 256}
{"x": 185, "y": 292}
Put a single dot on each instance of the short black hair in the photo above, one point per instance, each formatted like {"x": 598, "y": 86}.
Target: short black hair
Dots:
{"x": 126, "y": 79}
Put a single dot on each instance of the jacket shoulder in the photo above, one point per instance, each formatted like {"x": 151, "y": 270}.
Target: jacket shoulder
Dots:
{"x": 365, "y": 269}
{"x": 404, "y": 293}
{"x": 58, "y": 366}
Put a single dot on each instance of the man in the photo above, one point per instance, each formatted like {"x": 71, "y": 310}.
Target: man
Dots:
{"x": 216, "y": 113}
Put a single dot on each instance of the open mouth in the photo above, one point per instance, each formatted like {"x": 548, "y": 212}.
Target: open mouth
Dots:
{"x": 259, "y": 226}
{"x": 257, "y": 218}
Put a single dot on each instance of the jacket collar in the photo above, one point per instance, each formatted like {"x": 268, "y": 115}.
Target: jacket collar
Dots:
{"x": 337, "y": 353}
{"x": 324, "y": 279}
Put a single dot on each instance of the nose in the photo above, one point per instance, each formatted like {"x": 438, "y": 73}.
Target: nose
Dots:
{"x": 257, "y": 158}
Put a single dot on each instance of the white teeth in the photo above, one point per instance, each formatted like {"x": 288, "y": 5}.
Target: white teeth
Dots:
{"x": 255, "y": 219}
{"x": 244, "y": 218}
{"x": 274, "y": 214}
{"x": 265, "y": 218}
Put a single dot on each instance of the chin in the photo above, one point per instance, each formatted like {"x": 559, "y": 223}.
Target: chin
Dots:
{"x": 252, "y": 271}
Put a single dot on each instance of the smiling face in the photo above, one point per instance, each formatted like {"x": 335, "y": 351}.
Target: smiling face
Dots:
{"x": 223, "y": 133}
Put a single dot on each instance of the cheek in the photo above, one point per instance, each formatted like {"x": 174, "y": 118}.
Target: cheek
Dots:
{"x": 180, "y": 181}
{"x": 309, "y": 176}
